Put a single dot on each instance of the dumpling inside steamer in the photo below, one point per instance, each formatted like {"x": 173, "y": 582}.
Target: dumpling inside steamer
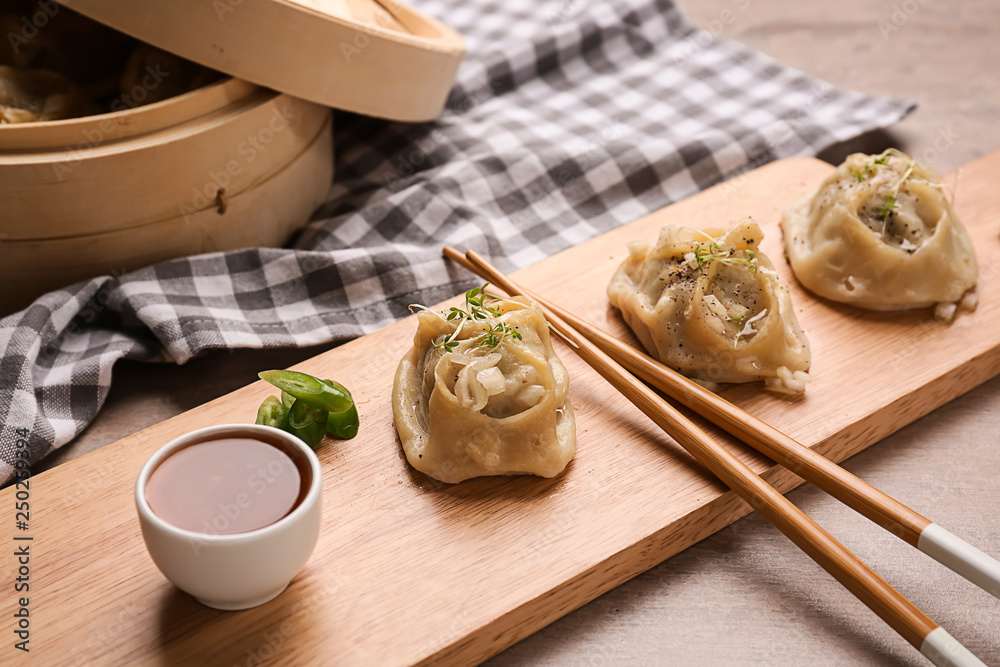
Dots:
{"x": 483, "y": 393}
{"x": 710, "y": 306}
{"x": 75, "y": 66}
{"x": 880, "y": 234}
{"x": 27, "y": 96}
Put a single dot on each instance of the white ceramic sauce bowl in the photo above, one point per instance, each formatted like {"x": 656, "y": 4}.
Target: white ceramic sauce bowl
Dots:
{"x": 236, "y": 570}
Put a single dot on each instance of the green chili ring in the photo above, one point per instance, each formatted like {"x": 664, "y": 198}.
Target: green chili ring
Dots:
{"x": 343, "y": 425}
{"x": 273, "y": 413}
{"x": 331, "y": 397}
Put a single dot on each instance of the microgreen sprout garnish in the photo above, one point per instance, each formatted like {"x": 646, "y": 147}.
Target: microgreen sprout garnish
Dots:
{"x": 887, "y": 207}
{"x": 714, "y": 253}
{"x": 448, "y": 344}
{"x": 495, "y": 335}
{"x": 863, "y": 173}
{"x": 480, "y": 306}
{"x": 890, "y": 203}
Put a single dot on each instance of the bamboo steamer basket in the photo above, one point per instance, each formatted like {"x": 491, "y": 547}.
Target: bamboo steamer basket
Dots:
{"x": 242, "y": 162}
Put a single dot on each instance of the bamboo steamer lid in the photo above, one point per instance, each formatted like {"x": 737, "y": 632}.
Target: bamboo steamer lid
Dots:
{"x": 375, "y": 58}
{"x": 81, "y": 197}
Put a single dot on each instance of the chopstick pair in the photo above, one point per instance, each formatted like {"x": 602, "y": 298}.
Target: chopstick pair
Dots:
{"x": 903, "y": 616}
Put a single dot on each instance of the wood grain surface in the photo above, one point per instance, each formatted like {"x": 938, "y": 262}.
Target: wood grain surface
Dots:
{"x": 410, "y": 570}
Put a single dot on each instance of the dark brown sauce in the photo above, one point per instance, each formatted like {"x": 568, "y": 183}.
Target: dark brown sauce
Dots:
{"x": 228, "y": 485}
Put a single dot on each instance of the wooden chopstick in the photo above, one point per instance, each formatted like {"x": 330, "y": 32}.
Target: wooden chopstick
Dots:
{"x": 902, "y": 615}
{"x": 900, "y": 520}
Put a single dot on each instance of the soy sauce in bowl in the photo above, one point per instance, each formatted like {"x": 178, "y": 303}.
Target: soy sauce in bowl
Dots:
{"x": 224, "y": 486}
{"x": 231, "y": 513}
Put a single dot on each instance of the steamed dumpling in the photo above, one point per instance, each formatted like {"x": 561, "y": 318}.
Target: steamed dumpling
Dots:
{"x": 711, "y": 307}
{"x": 28, "y": 96}
{"x": 487, "y": 396}
{"x": 880, "y": 234}
{"x": 178, "y": 76}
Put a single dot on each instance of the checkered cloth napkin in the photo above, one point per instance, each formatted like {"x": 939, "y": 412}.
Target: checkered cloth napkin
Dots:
{"x": 568, "y": 119}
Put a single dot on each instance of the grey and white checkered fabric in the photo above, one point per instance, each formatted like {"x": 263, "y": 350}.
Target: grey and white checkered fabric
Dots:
{"x": 567, "y": 119}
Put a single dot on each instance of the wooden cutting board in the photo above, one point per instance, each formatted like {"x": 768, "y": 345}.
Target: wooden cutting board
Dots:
{"x": 409, "y": 570}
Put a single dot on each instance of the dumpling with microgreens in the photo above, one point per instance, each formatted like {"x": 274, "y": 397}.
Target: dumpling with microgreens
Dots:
{"x": 482, "y": 392}
{"x": 879, "y": 233}
{"x": 709, "y": 305}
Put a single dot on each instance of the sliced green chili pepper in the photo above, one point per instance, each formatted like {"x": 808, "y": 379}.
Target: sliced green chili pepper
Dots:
{"x": 311, "y": 434}
{"x": 343, "y": 425}
{"x": 272, "y": 413}
{"x": 309, "y": 407}
{"x": 306, "y": 423}
{"x": 302, "y": 414}
{"x": 310, "y": 390}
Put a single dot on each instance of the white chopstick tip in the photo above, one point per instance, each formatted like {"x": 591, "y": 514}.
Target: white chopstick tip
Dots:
{"x": 952, "y": 551}
{"x": 945, "y": 651}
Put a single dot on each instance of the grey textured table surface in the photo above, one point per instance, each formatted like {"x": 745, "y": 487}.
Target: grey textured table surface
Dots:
{"x": 747, "y": 596}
